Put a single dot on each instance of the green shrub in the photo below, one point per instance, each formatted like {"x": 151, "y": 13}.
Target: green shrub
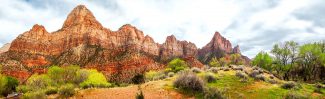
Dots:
{"x": 56, "y": 73}
{"x": 295, "y": 95}
{"x": 153, "y": 75}
{"x": 95, "y": 79}
{"x": 51, "y": 90}
{"x": 39, "y": 81}
{"x": 213, "y": 93}
{"x": 23, "y": 88}
{"x": 34, "y": 95}
{"x": 66, "y": 90}
{"x": 177, "y": 65}
{"x": 188, "y": 81}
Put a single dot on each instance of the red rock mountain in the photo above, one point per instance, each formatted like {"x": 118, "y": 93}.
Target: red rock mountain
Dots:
{"x": 218, "y": 47}
{"x": 83, "y": 41}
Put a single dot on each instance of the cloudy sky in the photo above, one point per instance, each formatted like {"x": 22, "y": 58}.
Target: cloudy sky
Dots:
{"x": 253, "y": 24}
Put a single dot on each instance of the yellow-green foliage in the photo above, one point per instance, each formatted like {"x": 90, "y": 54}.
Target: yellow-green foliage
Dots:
{"x": 154, "y": 75}
{"x": 214, "y": 62}
{"x": 35, "y": 95}
{"x": 67, "y": 90}
{"x": 95, "y": 79}
{"x": 177, "y": 65}
{"x": 37, "y": 81}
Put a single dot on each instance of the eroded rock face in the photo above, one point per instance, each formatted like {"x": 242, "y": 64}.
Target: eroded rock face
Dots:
{"x": 174, "y": 48}
{"x": 120, "y": 54}
{"x": 83, "y": 41}
{"x": 236, "y": 49}
{"x": 217, "y": 47}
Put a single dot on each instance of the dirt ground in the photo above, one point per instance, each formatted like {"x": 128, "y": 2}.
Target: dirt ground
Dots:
{"x": 151, "y": 90}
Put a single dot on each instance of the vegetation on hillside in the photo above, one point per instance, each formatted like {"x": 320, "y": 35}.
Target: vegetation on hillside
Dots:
{"x": 292, "y": 61}
{"x": 61, "y": 80}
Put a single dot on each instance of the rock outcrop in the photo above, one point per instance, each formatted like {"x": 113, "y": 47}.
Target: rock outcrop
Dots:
{"x": 5, "y": 48}
{"x": 217, "y": 47}
{"x": 175, "y": 48}
{"x": 83, "y": 41}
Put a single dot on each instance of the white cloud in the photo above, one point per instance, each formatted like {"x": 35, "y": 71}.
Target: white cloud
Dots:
{"x": 254, "y": 25}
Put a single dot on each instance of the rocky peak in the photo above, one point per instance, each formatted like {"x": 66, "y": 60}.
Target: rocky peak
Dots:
{"x": 219, "y": 42}
{"x": 5, "y": 48}
{"x": 171, "y": 38}
{"x": 174, "y": 48}
{"x": 236, "y": 49}
{"x": 36, "y": 32}
{"x": 80, "y": 15}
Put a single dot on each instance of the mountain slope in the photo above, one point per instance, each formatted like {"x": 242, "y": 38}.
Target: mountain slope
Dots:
{"x": 83, "y": 41}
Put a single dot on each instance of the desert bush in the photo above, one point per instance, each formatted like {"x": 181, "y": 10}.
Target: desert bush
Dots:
{"x": 210, "y": 77}
{"x": 171, "y": 74}
{"x": 188, "y": 81}
{"x": 240, "y": 74}
{"x": 70, "y": 73}
{"x": 213, "y": 93}
{"x": 39, "y": 81}
{"x": 238, "y": 68}
{"x": 66, "y": 90}
{"x": 196, "y": 70}
{"x": 51, "y": 90}
{"x": 260, "y": 77}
{"x": 154, "y": 75}
{"x": 213, "y": 70}
{"x": 35, "y": 95}
{"x": 81, "y": 76}
{"x": 254, "y": 73}
{"x": 295, "y": 95}
{"x": 289, "y": 85}
{"x": 271, "y": 77}
{"x": 272, "y": 81}
{"x": 177, "y": 65}
{"x": 95, "y": 79}
{"x": 23, "y": 88}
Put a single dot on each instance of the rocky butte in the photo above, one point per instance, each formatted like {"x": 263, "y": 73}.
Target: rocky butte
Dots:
{"x": 83, "y": 41}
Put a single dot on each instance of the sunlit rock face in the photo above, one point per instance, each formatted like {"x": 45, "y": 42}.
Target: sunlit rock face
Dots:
{"x": 83, "y": 41}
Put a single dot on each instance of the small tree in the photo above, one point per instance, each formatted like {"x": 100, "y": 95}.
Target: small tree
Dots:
{"x": 263, "y": 60}
{"x": 177, "y": 65}
{"x": 95, "y": 79}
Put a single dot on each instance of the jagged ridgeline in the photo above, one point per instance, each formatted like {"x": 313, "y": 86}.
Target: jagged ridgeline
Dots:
{"x": 120, "y": 54}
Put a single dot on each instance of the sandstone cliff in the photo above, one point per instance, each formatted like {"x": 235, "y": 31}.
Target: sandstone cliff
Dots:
{"x": 120, "y": 54}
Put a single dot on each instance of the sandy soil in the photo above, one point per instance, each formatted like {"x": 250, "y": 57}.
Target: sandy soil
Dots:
{"x": 151, "y": 90}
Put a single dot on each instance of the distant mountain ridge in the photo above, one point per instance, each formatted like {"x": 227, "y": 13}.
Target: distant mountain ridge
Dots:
{"x": 83, "y": 41}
